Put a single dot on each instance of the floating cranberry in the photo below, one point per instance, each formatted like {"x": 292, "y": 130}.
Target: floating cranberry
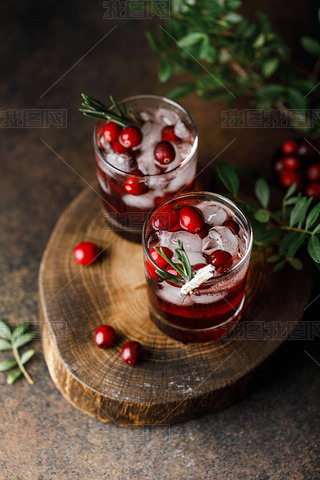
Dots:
{"x": 168, "y": 134}
{"x": 232, "y": 225}
{"x": 131, "y": 352}
{"x": 313, "y": 172}
{"x": 278, "y": 166}
{"x": 158, "y": 259}
{"x": 288, "y": 177}
{"x": 204, "y": 231}
{"x": 135, "y": 186}
{"x": 191, "y": 219}
{"x": 289, "y": 147}
{"x": 111, "y": 131}
{"x": 173, "y": 272}
{"x": 86, "y": 253}
{"x": 197, "y": 267}
{"x": 131, "y": 137}
{"x": 164, "y": 152}
{"x": 119, "y": 148}
{"x": 313, "y": 190}
{"x": 104, "y": 336}
{"x": 291, "y": 163}
{"x": 166, "y": 219}
{"x": 221, "y": 258}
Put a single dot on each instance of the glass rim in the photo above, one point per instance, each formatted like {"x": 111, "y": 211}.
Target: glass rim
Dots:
{"x": 217, "y": 196}
{"x": 184, "y": 161}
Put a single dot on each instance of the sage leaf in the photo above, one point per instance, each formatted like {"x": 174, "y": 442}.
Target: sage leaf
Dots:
{"x": 7, "y": 364}
{"x": 313, "y": 215}
{"x": 314, "y": 248}
{"x": 228, "y": 177}
{"x": 5, "y": 331}
{"x": 13, "y": 376}
{"x": 5, "y": 345}
{"x": 262, "y": 192}
{"x": 24, "y": 339}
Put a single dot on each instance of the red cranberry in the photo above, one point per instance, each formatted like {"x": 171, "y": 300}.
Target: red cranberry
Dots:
{"x": 197, "y": 267}
{"x": 119, "y": 148}
{"x": 313, "y": 190}
{"x": 111, "y": 131}
{"x": 291, "y": 163}
{"x": 313, "y": 172}
{"x": 305, "y": 149}
{"x": 164, "y": 152}
{"x": 166, "y": 219}
{"x": 173, "y": 272}
{"x": 288, "y": 177}
{"x": 232, "y": 225}
{"x": 158, "y": 259}
{"x": 135, "y": 186}
{"x": 86, "y": 253}
{"x": 204, "y": 231}
{"x": 104, "y": 336}
{"x": 131, "y": 352}
{"x": 289, "y": 147}
{"x": 278, "y": 166}
{"x": 168, "y": 134}
{"x": 131, "y": 136}
{"x": 220, "y": 258}
{"x": 191, "y": 219}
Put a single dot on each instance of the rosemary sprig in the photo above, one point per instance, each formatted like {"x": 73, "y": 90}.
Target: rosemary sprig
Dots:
{"x": 95, "y": 109}
{"x": 185, "y": 272}
{"x": 13, "y": 341}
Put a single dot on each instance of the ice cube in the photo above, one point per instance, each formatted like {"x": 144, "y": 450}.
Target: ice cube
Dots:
{"x": 103, "y": 183}
{"x": 146, "y": 163}
{"x": 209, "y": 245}
{"x": 146, "y": 115}
{"x": 146, "y": 128}
{"x": 172, "y": 294}
{"x": 191, "y": 242}
{"x": 143, "y": 202}
{"x": 122, "y": 161}
{"x": 225, "y": 239}
{"x": 181, "y": 130}
{"x": 166, "y": 117}
{"x": 213, "y": 214}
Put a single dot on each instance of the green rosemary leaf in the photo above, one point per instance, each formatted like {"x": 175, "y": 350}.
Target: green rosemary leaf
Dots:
{"x": 314, "y": 248}
{"x": 13, "y": 376}
{"x": 296, "y": 263}
{"x": 5, "y": 331}
{"x": 5, "y": 345}
{"x": 25, "y": 357}
{"x": 171, "y": 278}
{"x": 184, "y": 260}
{"x": 7, "y": 364}
{"x": 312, "y": 216}
{"x": 229, "y": 177}
{"x": 19, "y": 330}
{"x": 262, "y": 191}
{"x": 24, "y": 339}
{"x": 173, "y": 265}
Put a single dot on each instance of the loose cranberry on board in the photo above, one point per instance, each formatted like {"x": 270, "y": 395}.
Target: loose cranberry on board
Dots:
{"x": 131, "y": 352}
{"x": 86, "y": 253}
{"x": 104, "y": 336}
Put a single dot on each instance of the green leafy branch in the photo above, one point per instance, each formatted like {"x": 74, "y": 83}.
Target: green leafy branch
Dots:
{"x": 185, "y": 272}
{"x": 227, "y": 56}
{"x": 285, "y": 230}
{"x": 13, "y": 340}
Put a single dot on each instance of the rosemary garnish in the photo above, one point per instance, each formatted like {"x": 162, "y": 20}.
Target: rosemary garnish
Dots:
{"x": 95, "y": 109}
{"x": 185, "y": 272}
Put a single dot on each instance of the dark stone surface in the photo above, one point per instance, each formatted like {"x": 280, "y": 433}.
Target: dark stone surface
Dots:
{"x": 273, "y": 433}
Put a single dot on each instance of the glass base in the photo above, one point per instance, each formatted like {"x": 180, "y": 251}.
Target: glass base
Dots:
{"x": 197, "y": 335}
{"x": 133, "y": 235}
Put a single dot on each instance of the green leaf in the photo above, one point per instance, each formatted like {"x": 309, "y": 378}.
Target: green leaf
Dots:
{"x": 272, "y": 91}
{"x": 25, "y": 357}
{"x": 154, "y": 43}
{"x": 295, "y": 244}
{"x": 279, "y": 266}
{"x": 296, "y": 99}
{"x": 192, "y": 39}
{"x": 262, "y": 191}
{"x": 286, "y": 242}
{"x": 291, "y": 201}
{"x": 269, "y": 66}
{"x": 5, "y": 345}
{"x": 259, "y": 41}
{"x": 313, "y": 215}
{"x": 180, "y": 90}
{"x": 262, "y": 216}
{"x": 299, "y": 211}
{"x": 274, "y": 258}
{"x": 228, "y": 177}
{"x": 5, "y": 331}
{"x": 291, "y": 190}
{"x": 19, "y": 330}
{"x": 24, "y": 339}
{"x": 311, "y": 45}
{"x": 7, "y": 364}
{"x": 13, "y": 376}
{"x": 233, "y": 17}
{"x": 296, "y": 263}
{"x": 165, "y": 69}
{"x": 314, "y": 248}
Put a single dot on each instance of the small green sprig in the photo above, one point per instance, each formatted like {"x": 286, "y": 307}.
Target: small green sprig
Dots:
{"x": 13, "y": 340}
{"x": 95, "y": 109}
{"x": 185, "y": 272}
{"x": 283, "y": 232}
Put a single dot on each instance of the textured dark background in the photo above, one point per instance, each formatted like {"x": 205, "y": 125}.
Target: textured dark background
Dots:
{"x": 273, "y": 433}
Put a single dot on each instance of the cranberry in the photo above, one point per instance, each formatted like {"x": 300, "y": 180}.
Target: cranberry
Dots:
{"x": 158, "y": 259}
{"x": 86, "y": 253}
{"x": 168, "y": 134}
{"x": 313, "y": 172}
{"x": 313, "y": 190}
{"x": 104, "y": 336}
{"x": 278, "y": 166}
{"x": 173, "y": 272}
{"x": 232, "y": 225}
{"x": 131, "y": 352}
{"x": 191, "y": 219}
{"x": 204, "y": 231}
{"x": 166, "y": 219}
{"x": 291, "y": 163}
{"x": 111, "y": 131}
{"x": 197, "y": 267}
{"x": 305, "y": 149}
{"x": 221, "y": 258}
{"x": 119, "y": 148}
{"x": 164, "y": 152}
{"x": 131, "y": 137}
{"x": 289, "y": 147}
{"x": 287, "y": 178}
{"x": 135, "y": 186}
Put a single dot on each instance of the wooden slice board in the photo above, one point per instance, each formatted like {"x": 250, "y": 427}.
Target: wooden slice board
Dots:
{"x": 173, "y": 382}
